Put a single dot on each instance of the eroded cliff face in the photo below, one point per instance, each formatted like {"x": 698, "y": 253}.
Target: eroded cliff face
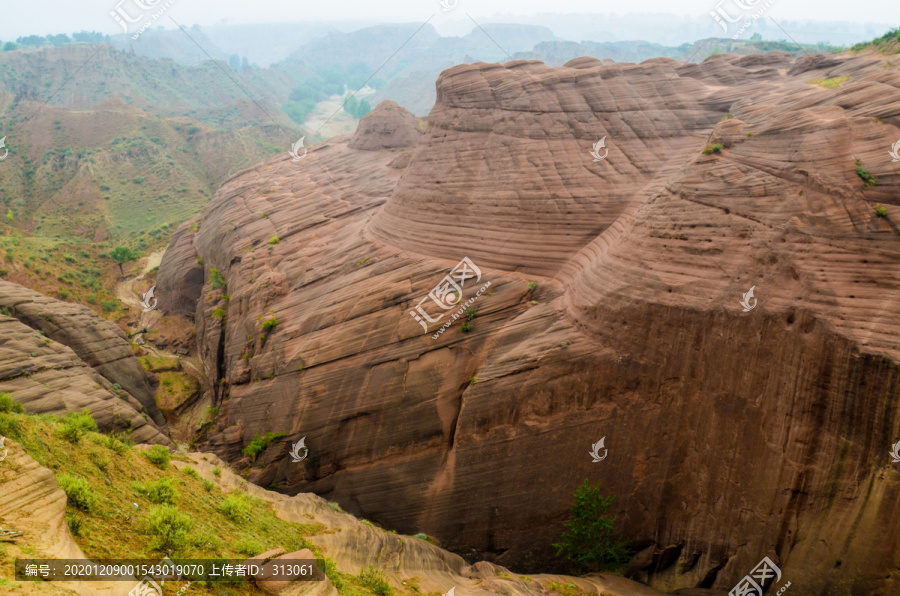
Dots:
{"x": 732, "y": 435}
{"x": 58, "y": 357}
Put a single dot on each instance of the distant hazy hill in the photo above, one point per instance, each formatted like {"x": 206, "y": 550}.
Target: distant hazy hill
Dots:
{"x": 124, "y": 151}
{"x": 100, "y": 72}
{"x": 410, "y": 75}
{"x": 557, "y": 53}
{"x": 175, "y": 45}
{"x": 261, "y": 44}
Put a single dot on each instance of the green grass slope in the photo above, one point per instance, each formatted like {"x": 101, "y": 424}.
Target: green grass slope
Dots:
{"x": 123, "y": 502}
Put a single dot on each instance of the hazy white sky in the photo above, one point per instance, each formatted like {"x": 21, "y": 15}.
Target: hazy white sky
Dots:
{"x": 18, "y": 17}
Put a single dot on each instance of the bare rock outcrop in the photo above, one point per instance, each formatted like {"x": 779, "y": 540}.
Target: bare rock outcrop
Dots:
{"x": 46, "y": 376}
{"x": 180, "y": 277}
{"x": 354, "y": 545}
{"x": 388, "y": 126}
{"x": 732, "y": 434}
{"x": 100, "y": 344}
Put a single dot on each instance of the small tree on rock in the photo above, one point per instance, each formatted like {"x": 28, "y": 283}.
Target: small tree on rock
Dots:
{"x": 591, "y": 542}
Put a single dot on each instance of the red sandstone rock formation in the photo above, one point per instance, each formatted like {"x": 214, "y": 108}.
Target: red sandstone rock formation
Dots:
{"x": 59, "y": 357}
{"x": 732, "y": 435}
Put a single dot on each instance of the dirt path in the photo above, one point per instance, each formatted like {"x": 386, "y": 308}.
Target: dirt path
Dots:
{"x": 125, "y": 288}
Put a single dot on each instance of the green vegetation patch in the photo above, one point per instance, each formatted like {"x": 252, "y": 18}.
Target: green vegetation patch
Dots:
{"x": 867, "y": 178}
{"x": 590, "y": 541}
{"x": 832, "y": 83}
{"x": 889, "y": 43}
{"x": 191, "y": 519}
{"x": 259, "y": 444}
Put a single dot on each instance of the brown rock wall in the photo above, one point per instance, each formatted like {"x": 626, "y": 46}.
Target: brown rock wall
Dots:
{"x": 732, "y": 435}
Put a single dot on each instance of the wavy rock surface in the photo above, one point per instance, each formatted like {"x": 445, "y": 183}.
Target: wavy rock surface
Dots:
{"x": 731, "y": 435}
{"x": 102, "y": 345}
{"x": 46, "y": 376}
{"x": 388, "y": 126}
{"x": 354, "y": 546}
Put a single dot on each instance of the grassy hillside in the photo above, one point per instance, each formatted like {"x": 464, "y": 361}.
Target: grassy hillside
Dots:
{"x": 117, "y": 497}
{"x": 889, "y": 43}
{"x": 122, "y": 154}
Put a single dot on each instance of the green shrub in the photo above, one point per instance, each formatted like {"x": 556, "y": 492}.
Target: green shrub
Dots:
{"x": 159, "y": 455}
{"x": 269, "y": 324}
{"x": 867, "y": 178}
{"x": 217, "y": 471}
{"x": 335, "y": 506}
{"x": 471, "y": 313}
{"x": 9, "y": 426}
{"x": 218, "y": 313}
{"x": 591, "y": 543}
{"x": 117, "y": 443}
{"x": 248, "y": 546}
{"x": 109, "y": 305}
{"x": 329, "y": 568}
{"x": 208, "y": 485}
{"x": 75, "y": 523}
{"x": 532, "y": 286}
{"x": 8, "y": 405}
{"x": 216, "y": 279}
{"x": 466, "y": 327}
{"x": 235, "y": 507}
{"x": 74, "y": 425}
{"x": 161, "y": 491}
{"x": 375, "y": 581}
{"x": 880, "y": 211}
{"x": 259, "y": 444}
{"x": 170, "y": 527}
{"x": 274, "y": 240}
{"x": 78, "y": 492}
{"x": 714, "y": 148}
{"x": 421, "y": 536}
{"x": 190, "y": 472}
